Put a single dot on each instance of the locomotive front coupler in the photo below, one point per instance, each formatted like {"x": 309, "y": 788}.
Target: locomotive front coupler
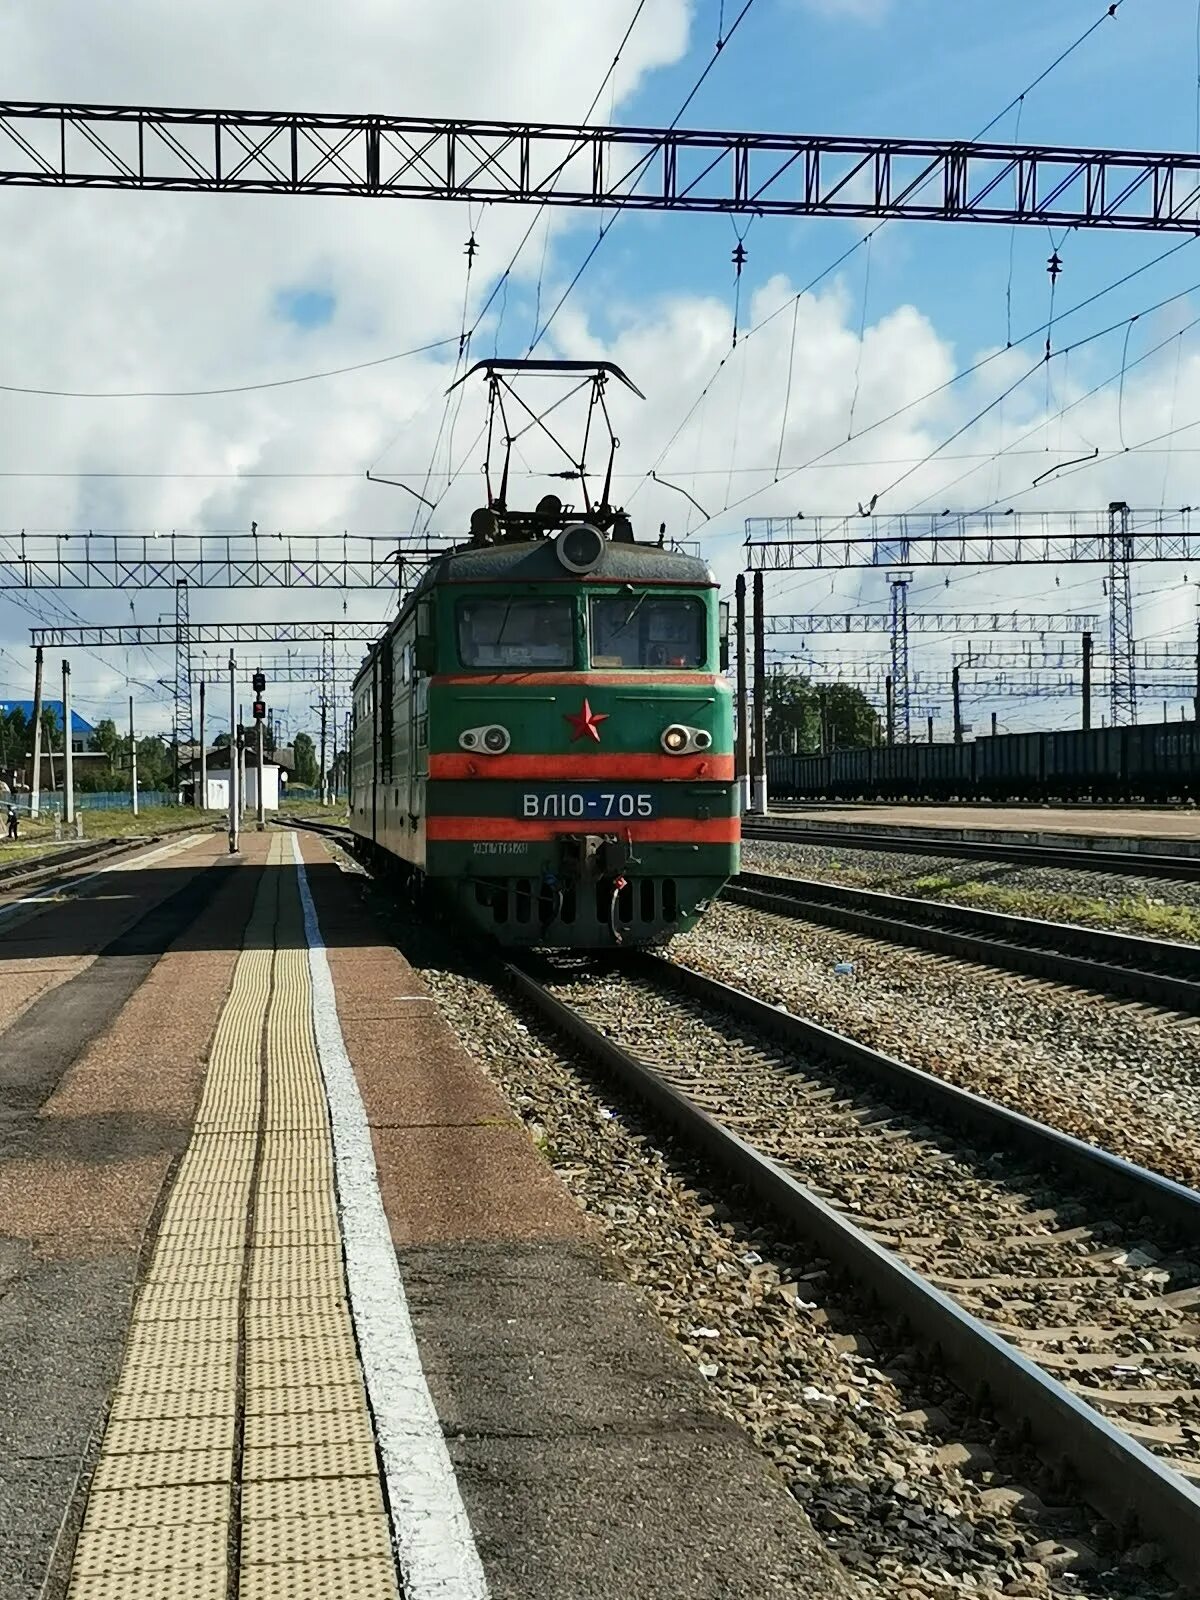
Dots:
{"x": 592, "y": 857}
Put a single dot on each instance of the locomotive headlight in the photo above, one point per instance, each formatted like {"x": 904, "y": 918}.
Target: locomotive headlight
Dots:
{"x": 493, "y": 739}
{"x": 701, "y": 739}
{"x": 675, "y": 740}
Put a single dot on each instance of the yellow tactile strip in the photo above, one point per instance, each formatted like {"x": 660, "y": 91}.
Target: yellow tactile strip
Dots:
{"x": 239, "y": 1430}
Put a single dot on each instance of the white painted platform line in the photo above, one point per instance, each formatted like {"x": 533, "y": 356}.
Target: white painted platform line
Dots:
{"x": 435, "y": 1545}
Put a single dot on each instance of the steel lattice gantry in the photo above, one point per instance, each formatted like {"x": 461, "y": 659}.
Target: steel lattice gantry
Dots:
{"x": 203, "y": 634}
{"x": 662, "y": 169}
{"x": 934, "y": 622}
{"x": 282, "y": 669}
{"x": 209, "y": 561}
{"x": 967, "y": 539}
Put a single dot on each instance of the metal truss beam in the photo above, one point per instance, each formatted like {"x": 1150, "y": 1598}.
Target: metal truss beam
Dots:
{"x": 56, "y": 145}
{"x": 200, "y": 634}
{"x": 209, "y": 561}
{"x": 935, "y": 622}
{"x": 297, "y": 669}
{"x": 1147, "y": 658}
{"x": 984, "y": 682}
{"x": 969, "y": 539}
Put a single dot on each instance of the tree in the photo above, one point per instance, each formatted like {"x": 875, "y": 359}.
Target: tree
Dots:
{"x": 106, "y": 739}
{"x": 222, "y": 742}
{"x": 155, "y": 764}
{"x": 808, "y": 717}
{"x": 305, "y": 751}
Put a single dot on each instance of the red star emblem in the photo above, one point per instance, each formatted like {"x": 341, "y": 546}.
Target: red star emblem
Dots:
{"x": 586, "y": 722}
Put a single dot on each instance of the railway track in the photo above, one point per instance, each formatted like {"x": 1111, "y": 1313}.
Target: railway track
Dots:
{"x": 32, "y": 874}
{"x": 1130, "y": 863}
{"x": 1160, "y": 971}
{"x": 1053, "y": 1278}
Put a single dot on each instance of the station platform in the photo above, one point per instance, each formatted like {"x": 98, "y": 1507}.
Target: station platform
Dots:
{"x": 1138, "y": 830}
{"x": 291, "y": 1306}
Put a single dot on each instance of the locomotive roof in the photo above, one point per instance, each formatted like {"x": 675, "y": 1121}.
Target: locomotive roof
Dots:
{"x": 535, "y": 561}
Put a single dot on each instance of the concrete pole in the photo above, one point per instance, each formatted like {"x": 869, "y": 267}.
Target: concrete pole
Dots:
{"x": 930, "y": 722}
{"x": 758, "y": 784}
{"x": 233, "y": 758}
{"x": 241, "y": 761}
{"x": 1196, "y": 702}
{"x": 995, "y": 729}
{"x": 132, "y": 759}
{"x": 324, "y": 723}
{"x": 259, "y": 777}
{"x": 68, "y": 753}
{"x": 742, "y": 763}
{"x": 957, "y": 689}
{"x": 1087, "y": 680}
{"x": 201, "y": 794}
{"x": 35, "y": 785}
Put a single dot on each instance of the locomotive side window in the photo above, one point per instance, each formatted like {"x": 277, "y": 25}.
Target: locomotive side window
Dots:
{"x": 511, "y": 631}
{"x": 644, "y": 630}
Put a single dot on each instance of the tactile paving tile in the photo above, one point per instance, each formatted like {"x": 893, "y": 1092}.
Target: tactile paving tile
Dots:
{"x": 273, "y": 1401}
{"x": 312, "y": 1429}
{"x": 304, "y": 1364}
{"x": 312, "y": 1497}
{"x": 125, "y": 1436}
{"x": 276, "y": 1540}
{"x": 161, "y": 1404}
{"x": 287, "y": 1320}
{"x": 331, "y": 1580}
{"x": 151, "y": 1549}
{"x": 161, "y": 1506}
{"x": 349, "y": 1460}
{"x": 181, "y": 1583}
{"x": 156, "y": 1471}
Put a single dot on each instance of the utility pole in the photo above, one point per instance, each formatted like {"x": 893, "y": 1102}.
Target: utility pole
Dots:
{"x": 241, "y": 760}
{"x": 956, "y": 690}
{"x": 201, "y": 794}
{"x": 233, "y": 758}
{"x": 994, "y": 727}
{"x": 1087, "y": 680}
{"x": 1197, "y": 696}
{"x": 132, "y": 760}
{"x": 930, "y": 722}
{"x": 743, "y": 697}
{"x": 68, "y": 753}
{"x": 35, "y": 787}
{"x": 758, "y": 786}
{"x": 889, "y": 688}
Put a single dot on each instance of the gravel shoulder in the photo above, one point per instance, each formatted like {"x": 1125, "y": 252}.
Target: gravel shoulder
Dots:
{"x": 1153, "y": 907}
{"x": 1116, "y": 1074}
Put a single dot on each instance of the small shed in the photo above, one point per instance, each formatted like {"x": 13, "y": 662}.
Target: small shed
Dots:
{"x": 217, "y": 798}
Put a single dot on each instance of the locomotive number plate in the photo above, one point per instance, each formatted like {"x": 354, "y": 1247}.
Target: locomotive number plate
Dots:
{"x": 587, "y": 805}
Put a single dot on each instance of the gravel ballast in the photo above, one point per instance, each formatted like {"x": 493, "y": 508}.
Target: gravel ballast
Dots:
{"x": 1114, "y": 1073}
{"x": 893, "y": 1469}
{"x": 1124, "y": 902}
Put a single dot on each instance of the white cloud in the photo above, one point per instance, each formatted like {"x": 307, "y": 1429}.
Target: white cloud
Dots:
{"x": 167, "y": 291}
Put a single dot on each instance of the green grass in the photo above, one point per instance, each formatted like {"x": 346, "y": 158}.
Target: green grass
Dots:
{"x": 335, "y": 812}
{"x": 1130, "y": 914}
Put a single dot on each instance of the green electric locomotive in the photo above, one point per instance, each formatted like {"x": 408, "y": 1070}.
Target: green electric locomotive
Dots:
{"x": 543, "y": 739}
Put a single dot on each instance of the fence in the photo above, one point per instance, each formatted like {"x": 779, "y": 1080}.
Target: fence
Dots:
{"x": 100, "y": 800}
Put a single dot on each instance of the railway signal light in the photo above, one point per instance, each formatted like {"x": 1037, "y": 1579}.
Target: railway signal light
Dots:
{"x": 259, "y": 684}
{"x": 259, "y": 709}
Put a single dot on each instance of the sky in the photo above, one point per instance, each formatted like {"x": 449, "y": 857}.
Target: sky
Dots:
{"x": 135, "y": 292}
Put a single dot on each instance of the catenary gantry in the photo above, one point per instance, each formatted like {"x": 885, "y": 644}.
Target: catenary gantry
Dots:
{"x": 57, "y": 145}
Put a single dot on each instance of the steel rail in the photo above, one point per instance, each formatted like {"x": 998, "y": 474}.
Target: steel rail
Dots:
{"x": 1129, "y": 863}
{"x": 1113, "y": 963}
{"x": 1120, "y": 1479}
{"x": 27, "y": 874}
